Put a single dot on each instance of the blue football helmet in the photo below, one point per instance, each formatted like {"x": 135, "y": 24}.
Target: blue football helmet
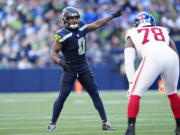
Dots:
{"x": 144, "y": 19}
{"x": 70, "y": 12}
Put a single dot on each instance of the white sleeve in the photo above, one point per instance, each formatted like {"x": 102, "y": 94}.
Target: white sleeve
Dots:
{"x": 130, "y": 55}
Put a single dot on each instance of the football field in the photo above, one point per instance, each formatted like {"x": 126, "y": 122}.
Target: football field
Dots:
{"x": 30, "y": 114}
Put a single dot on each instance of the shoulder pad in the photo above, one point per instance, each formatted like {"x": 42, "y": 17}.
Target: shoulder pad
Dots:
{"x": 57, "y": 37}
{"x": 128, "y": 34}
{"x": 61, "y": 35}
{"x": 166, "y": 30}
{"x": 82, "y": 25}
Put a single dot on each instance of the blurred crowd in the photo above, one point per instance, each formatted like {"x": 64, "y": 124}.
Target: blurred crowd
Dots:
{"x": 27, "y": 29}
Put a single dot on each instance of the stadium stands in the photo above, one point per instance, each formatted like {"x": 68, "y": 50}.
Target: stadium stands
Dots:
{"x": 27, "y": 28}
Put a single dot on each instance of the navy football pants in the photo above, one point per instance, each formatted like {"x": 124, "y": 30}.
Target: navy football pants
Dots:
{"x": 87, "y": 80}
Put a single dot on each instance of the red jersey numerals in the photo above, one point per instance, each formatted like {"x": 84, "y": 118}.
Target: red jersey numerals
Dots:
{"x": 157, "y": 32}
{"x": 145, "y": 40}
{"x": 158, "y": 35}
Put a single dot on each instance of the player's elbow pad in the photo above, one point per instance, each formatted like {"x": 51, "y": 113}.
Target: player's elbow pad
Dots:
{"x": 130, "y": 55}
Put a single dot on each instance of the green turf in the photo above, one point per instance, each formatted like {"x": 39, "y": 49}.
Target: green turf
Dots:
{"x": 30, "y": 114}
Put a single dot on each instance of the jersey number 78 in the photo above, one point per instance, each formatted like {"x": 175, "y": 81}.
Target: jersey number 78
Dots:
{"x": 157, "y": 32}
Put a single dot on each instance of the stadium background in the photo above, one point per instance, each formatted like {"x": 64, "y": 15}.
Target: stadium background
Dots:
{"x": 27, "y": 32}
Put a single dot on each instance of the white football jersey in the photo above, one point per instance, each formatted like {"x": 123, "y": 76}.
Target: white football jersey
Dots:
{"x": 147, "y": 38}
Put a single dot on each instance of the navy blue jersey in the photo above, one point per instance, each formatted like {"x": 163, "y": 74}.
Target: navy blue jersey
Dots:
{"x": 74, "y": 43}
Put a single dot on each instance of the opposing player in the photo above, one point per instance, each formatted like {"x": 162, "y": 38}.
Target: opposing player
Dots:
{"x": 159, "y": 57}
{"x": 71, "y": 41}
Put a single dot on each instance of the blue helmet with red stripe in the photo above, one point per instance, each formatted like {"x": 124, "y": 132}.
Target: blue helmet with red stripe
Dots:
{"x": 144, "y": 19}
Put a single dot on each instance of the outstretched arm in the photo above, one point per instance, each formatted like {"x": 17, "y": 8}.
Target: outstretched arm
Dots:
{"x": 99, "y": 23}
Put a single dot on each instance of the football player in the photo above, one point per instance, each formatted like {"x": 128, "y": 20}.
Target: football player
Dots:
{"x": 71, "y": 41}
{"x": 159, "y": 57}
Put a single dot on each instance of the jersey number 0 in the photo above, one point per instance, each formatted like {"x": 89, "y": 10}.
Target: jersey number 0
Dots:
{"x": 81, "y": 46}
{"x": 157, "y": 32}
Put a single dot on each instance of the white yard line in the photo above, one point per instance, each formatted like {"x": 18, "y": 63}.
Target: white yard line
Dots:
{"x": 120, "y": 101}
{"x": 86, "y": 121}
{"x": 82, "y": 126}
{"x": 80, "y": 117}
{"x": 96, "y": 132}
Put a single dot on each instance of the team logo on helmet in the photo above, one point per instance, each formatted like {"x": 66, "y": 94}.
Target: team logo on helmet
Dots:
{"x": 144, "y": 19}
{"x": 70, "y": 12}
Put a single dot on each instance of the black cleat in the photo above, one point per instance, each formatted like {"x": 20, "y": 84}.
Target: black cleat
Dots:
{"x": 177, "y": 131}
{"x": 130, "y": 130}
{"x": 107, "y": 126}
{"x": 51, "y": 127}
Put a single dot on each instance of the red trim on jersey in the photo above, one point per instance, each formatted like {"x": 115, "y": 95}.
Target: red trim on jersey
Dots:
{"x": 138, "y": 76}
